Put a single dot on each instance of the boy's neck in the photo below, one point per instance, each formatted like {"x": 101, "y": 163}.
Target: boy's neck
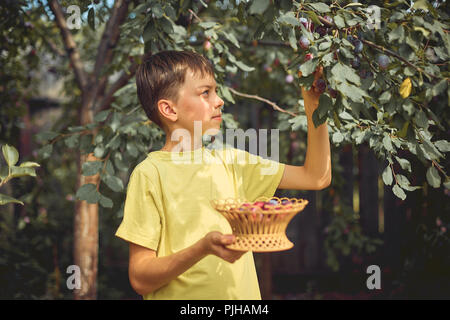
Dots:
{"x": 179, "y": 146}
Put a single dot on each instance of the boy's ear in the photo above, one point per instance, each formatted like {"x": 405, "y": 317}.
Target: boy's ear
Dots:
{"x": 168, "y": 110}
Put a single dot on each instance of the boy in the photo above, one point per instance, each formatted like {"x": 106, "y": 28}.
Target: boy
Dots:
{"x": 177, "y": 240}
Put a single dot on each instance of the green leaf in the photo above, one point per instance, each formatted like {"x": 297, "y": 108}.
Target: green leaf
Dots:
{"x": 299, "y": 121}
{"x": 91, "y": 168}
{"x": 119, "y": 162}
{"x": 45, "y": 151}
{"x": 105, "y": 202}
{"x": 88, "y": 192}
{"x": 339, "y": 22}
{"x": 440, "y": 87}
{"x": 408, "y": 106}
{"x": 443, "y": 145}
{"x": 327, "y": 59}
{"x": 292, "y": 39}
{"x": 157, "y": 10}
{"x": 75, "y": 129}
{"x": 229, "y": 121}
{"x": 433, "y": 177}
{"x": 4, "y": 199}
{"x": 397, "y": 34}
{"x": 113, "y": 182}
{"x": 385, "y": 97}
{"x": 337, "y": 137}
{"x": 352, "y": 92}
{"x": 319, "y": 6}
{"x": 402, "y": 133}
{"x": 27, "y": 164}
{"x": 243, "y": 66}
{"x": 405, "y": 164}
{"x": 99, "y": 151}
{"x": 232, "y": 38}
{"x": 314, "y": 18}
{"x": 258, "y": 7}
{"x": 324, "y": 45}
{"x": 359, "y": 136}
{"x": 421, "y": 4}
{"x": 321, "y": 113}
{"x": 289, "y": 19}
{"x": 308, "y": 67}
{"x": 11, "y": 154}
{"x": 114, "y": 143}
{"x": 421, "y": 119}
{"x": 336, "y": 120}
{"x": 17, "y": 172}
{"x": 101, "y": 116}
{"x": 440, "y": 52}
{"x": 387, "y": 176}
{"x": 132, "y": 149}
{"x": 387, "y": 142}
{"x": 225, "y": 92}
{"x": 109, "y": 168}
{"x": 342, "y": 72}
{"x": 447, "y": 184}
{"x": 405, "y": 184}
{"x": 431, "y": 150}
{"x": 399, "y": 192}
{"x": 170, "y": 11}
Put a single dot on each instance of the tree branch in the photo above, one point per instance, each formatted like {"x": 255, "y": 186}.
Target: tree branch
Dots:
{"x": 382, "y": 49}
{"x": 110, "y": 35}
{"x": 273, "y": 104}
{"x": 119, "y": 83}
{"x": 69, "y": 44}
{"x": 108, "y": 42}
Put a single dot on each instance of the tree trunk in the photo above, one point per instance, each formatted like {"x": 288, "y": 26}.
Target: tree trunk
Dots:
{"x": 86, "y": 226}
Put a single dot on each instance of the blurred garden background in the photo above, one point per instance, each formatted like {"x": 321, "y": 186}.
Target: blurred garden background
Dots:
{"x": 72, "y": 130}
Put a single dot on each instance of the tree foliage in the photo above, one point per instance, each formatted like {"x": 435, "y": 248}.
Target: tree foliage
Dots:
{"x": 395, "y": 97}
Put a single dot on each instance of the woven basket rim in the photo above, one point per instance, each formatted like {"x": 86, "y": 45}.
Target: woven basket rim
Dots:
{"x": 297, "y": 204}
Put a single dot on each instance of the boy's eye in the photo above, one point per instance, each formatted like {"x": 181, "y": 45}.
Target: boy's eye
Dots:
{"x": 208, "y": 91}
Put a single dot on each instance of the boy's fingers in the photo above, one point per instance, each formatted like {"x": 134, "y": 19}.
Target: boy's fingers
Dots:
{"x": 216, "y": 237}
{"x": 318, "y": 73}
{"x": 228, "y": 239}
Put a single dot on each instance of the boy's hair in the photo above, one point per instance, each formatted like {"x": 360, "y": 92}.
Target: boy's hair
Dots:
{"x": 161, "y": 76}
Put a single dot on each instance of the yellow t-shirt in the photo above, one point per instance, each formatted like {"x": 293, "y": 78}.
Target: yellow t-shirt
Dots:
{"x": 167, "y": 209}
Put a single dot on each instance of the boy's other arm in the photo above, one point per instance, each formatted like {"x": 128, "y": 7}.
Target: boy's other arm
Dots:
{"x": 148, "y": 273}
{"x": 315, "y": 174}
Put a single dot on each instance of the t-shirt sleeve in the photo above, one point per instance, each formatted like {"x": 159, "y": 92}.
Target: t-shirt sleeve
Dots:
{"x": 260, "y": 176}
{"x": 141, "y": 222}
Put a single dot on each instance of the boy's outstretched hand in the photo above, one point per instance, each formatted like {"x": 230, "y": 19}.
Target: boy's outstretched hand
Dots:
{"x": 214, "y": 243}
{"x": 311, "y": 96}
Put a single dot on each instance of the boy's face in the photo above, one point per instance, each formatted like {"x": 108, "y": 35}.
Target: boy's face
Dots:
{"x": 196, "y": 102}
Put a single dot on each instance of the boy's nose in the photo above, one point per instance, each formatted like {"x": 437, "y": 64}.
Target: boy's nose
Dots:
{"x": 220, "y": 103}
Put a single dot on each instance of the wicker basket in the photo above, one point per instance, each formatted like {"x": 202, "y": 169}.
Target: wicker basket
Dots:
{"x": 260, "y": 229}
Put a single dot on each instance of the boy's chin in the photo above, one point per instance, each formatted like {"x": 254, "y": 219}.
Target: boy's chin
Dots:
{"x": 212, "y": 131}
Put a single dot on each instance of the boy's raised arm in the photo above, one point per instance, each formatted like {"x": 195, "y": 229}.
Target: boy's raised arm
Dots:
{"x": 148, "y": 273}
{"x": 315, "y": 174}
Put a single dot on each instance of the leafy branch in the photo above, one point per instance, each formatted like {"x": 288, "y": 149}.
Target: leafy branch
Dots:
{"x": 11, "y": 156}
